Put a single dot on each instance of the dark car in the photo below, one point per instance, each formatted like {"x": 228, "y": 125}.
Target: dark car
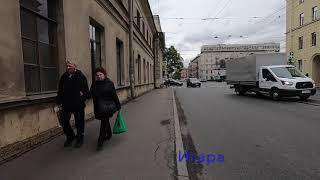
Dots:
{"x": 172, "y": 82}
{"x": 193, "y": 82}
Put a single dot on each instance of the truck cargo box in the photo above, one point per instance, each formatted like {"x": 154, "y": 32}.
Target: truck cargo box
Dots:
{"x": 246, "y": 69}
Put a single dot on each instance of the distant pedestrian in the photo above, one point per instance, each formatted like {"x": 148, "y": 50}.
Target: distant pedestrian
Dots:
{"x": 106, "y": 103}
{"x": 166, "y": 83}
{"x": 72, "y": 93}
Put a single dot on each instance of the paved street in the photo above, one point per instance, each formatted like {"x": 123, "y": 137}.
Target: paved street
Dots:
{"x": 260, "y": 138}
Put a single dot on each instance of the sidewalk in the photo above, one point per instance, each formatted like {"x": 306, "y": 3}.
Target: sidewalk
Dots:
{"x": 315, "y": 99}
{"x": 146, "y": 151}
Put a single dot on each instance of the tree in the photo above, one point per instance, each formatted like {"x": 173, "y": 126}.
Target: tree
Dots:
{"x": 177, "y": 75}
{"x": 174, "y": 62}
{"x": 291, "y": 60}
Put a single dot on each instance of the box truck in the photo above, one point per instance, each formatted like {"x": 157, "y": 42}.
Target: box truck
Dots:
{"x": 268, "y": 74}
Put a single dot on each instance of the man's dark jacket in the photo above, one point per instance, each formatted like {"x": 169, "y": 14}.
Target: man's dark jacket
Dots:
{"x": 104, "y": 91}
{"x": 70, "y": 86}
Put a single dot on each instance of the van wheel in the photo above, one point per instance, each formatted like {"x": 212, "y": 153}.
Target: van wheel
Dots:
{"x": 304, "y": 97}
{"x": 275, "y": 95}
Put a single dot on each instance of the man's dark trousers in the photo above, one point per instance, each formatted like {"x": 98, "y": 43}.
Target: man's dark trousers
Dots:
{"x": 79, "y": 122}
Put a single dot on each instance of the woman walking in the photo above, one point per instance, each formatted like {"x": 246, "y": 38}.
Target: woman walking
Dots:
{"x": 106, "y": 103}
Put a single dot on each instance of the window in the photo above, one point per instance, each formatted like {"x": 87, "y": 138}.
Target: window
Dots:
{"x": 148, "y": 73}
{"x": 95, "y": 47}
{"x": 286, "y": 72}
{"x": 301, "y": 19}
{"x": 315, "y": 13}
{"x": 144, "y": 71}
{"x": 143, "y": 28}
{"x": 266, "y": 74}
{"x": 147, "y": 36}
{"x": 300, "y": 65}
{"x": 139, "y": 69}
{"x": 313, "y": 39}
{"x": 39, "y": 45}
{"x": 120, "y": 63}
{"x": 151, "y": 77}
{"x": 138, "y": 19}
{"x": 300, "y": 42}
{"x": 222, "y": 64}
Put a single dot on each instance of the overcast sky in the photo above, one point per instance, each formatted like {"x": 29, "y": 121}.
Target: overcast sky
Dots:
{"x": 257, "y": 21}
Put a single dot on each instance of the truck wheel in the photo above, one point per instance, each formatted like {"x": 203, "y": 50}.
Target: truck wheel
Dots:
{"x": 275, "y": 94}
{"x": 258, "y": 94}
{"x": 304, "y": 97}
{"x": 240, "y": 91}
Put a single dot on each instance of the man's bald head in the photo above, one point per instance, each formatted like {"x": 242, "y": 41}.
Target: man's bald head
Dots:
{"x": 71, "y": 66}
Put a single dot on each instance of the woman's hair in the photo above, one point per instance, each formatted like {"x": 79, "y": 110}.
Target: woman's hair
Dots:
{"x": 102, "y": 70}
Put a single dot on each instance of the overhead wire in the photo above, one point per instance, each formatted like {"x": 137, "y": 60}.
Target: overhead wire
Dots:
{"x": 262, "y": 20}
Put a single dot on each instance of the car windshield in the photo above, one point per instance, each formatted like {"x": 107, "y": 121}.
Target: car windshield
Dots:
{"x": 286, "y": 72}
{"x": 193, "y": 79}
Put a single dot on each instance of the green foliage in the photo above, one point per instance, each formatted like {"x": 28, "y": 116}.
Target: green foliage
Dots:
{"x": 177, "y": 75}
{"x": 291, "y": 60}
{"x": 174, "y": 62}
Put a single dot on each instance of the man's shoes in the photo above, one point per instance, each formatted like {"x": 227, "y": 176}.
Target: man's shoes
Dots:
{"x": 68, "y": 142}
{"x": 79, "y": 142}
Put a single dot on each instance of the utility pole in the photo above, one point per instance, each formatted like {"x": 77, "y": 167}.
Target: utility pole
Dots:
{"x": 131, "y": 58}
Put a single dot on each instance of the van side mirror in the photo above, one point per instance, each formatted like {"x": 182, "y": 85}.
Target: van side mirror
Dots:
{"x": 307, "y": 75}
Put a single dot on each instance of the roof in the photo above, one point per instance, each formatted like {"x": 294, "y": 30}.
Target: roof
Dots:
{"x": 157, "y": 23}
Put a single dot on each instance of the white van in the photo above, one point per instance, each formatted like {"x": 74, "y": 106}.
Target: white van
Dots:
{"x": 268, "y": 74}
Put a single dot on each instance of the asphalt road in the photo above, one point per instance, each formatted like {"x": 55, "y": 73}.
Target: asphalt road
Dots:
{"x": 259, "y": 138}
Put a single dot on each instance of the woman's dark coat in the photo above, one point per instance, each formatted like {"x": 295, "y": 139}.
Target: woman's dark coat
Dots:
{"x": 104, "y": 91}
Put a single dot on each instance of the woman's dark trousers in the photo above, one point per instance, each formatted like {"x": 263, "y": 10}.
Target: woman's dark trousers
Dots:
{"x": 105, "y": 130}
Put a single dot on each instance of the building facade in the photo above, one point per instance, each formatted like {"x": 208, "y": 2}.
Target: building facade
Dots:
{"x": 303, "y": 42}
{"x": 211, "y": 61}
{"x": 40, "y": 35}
{"x": 184, "y": 73}
{"x": 194, "y": 68}
{"x": 159, "y": 51}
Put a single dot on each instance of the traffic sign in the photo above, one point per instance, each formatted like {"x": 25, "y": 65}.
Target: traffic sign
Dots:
{"x": 291, "y": 53}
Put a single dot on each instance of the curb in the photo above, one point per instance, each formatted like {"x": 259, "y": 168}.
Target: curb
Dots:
{"x": 182, "y": 171}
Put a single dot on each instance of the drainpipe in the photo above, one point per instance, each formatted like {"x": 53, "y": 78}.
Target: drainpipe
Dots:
{"x": 131, "y": 58}
{"x": 155, "y": 54}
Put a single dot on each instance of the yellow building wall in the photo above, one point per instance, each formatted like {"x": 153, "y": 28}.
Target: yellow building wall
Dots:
{"x": 294, "y": 31}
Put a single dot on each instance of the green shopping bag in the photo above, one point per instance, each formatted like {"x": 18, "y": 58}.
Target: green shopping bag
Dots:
{"x": 119, "y": 126}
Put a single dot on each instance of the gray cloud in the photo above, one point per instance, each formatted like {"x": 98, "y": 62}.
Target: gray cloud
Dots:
{"x": 189, "y": 35}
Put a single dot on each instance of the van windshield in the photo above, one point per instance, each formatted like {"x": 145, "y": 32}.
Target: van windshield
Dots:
{"x": 286, "y": 72}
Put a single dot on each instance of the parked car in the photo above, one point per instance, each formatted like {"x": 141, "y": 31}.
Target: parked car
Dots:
{"x": 193, "y": 82}
{"x": 173, "y": 82}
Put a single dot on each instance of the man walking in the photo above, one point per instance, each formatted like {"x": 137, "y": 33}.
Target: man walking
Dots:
{"x": 72, "y": 93}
